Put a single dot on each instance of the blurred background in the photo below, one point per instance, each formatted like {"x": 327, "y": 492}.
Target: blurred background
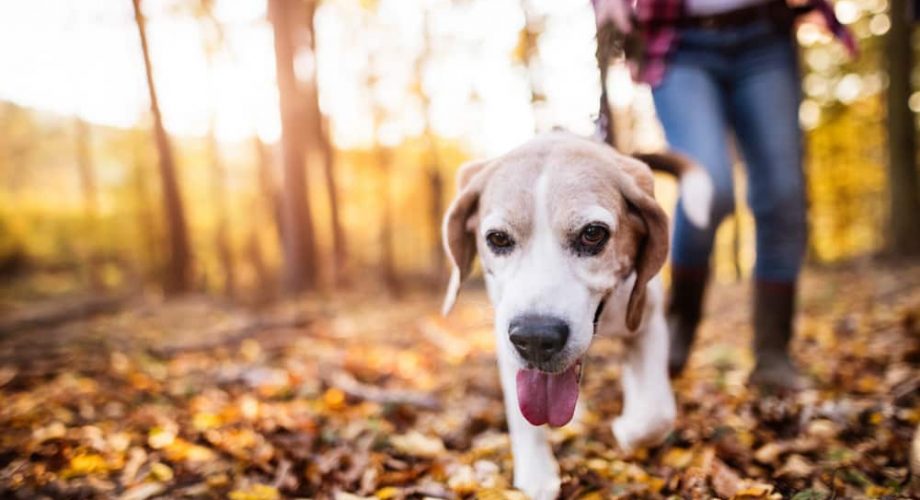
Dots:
{"x": 253, "y": 148}
{"x": 220, "y": 261}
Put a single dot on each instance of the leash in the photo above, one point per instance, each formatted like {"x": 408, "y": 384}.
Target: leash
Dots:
{"x": 607, "y": 36}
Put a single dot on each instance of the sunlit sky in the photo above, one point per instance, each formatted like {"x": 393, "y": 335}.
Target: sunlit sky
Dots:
{"x": 83, "y": 57}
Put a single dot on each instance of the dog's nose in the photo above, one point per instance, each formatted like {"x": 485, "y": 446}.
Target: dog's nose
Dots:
{"x": 538, "y": 338}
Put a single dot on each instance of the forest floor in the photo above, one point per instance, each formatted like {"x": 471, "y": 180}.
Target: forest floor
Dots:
{"x": 362, "y": 397}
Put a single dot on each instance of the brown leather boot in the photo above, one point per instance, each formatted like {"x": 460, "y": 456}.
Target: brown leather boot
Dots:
{"x": 774, "y": 309}
{"x": 685, "y": 309}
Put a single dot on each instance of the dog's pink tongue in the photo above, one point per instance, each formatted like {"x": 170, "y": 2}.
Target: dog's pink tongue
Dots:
{"x": 548, "y": 397}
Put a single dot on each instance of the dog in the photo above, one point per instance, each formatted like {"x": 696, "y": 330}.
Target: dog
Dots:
{"x": 570, "y": 240}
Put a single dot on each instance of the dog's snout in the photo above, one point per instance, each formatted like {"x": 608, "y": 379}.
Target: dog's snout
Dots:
{"x": 538, "y": 338}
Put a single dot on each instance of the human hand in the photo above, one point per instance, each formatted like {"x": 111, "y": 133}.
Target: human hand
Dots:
{"x": 613, "y": 11}
{"x": 814, "y": 17}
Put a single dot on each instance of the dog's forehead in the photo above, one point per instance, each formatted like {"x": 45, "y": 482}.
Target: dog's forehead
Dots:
{"x": 577, "y": 173}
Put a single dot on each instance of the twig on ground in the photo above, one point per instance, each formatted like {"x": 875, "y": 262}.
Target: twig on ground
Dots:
{"x": 352, "y": 387}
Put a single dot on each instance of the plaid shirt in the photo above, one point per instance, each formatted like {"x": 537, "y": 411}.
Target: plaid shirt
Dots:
{"x": 657, "y": 20}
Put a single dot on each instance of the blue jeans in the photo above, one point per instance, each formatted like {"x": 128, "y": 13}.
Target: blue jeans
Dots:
{"x": 742, "y": 80}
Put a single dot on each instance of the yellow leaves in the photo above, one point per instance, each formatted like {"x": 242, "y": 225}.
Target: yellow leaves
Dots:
{"x": 419, "y": 445}
{"x": 502, "y": 494}
{"x": 875, "y": 491}
{"x": 161, "y": 437}
{"x": 867, "y": 383}
{"x": 678, "y": 458}
{"x": 161, "y": 472}
{"x": 753, "y": 491}
{"x": 387, "y": 493}
{"x": 876, "y": 418}
{"x": 256, "y": 492}
{"x": 85, "y": 464}
{"x": 181, "y": 450}
{"x": 175, "y": 448}
{"x": 334, "y": 399}
{"x": 203, "y": 421}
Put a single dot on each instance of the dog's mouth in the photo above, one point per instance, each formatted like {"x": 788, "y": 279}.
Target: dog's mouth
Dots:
{"x": 548, "y": 397}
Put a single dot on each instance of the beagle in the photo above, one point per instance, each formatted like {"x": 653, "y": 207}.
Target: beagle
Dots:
{"x": 570, "y": 240}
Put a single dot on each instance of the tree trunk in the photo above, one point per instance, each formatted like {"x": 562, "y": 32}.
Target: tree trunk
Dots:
{"x": 90, "y": 203}
{"x": 222, "y": 231}
{"x": 299, "y": 245}
{"x": 387, "y": 259}
{"x": 904, "y": 237}
{"x": 339, "y": 243}
{"x": 179, "y": 271}
{"x": 322, "y": 140}
{"x": 269, "y": 187}
{"x": 433, "y": 165}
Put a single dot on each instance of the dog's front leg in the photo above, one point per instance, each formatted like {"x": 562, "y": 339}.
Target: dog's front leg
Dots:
{"x": 536, "y": 472}
{"x": 649, "y": 409}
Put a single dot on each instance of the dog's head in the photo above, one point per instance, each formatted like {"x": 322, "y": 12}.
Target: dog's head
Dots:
{"x": 564, "y": 227}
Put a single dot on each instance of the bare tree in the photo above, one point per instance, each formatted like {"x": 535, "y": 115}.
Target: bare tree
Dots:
{"x": 90, "y": 202}
{"x": 321, "y": 141}
{"x": 268, "y": 185}
{"x": 432, "y": 160}
{"x": 387, "y": 256}
{"x": 299, "y": 244}
{"x": 904, "y": 238}
{"x": 178, "y": 274}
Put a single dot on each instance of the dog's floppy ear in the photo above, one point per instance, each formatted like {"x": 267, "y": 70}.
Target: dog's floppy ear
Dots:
{"x": 458, "y": 237}
{"x": 637, "y": 186}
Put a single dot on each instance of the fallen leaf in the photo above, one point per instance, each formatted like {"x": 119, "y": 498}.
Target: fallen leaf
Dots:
{"x": 462, "y": 480}
{"x": 769, "y": 453}
{"x": 796, "y": 466}
{"x": 85, "y": 464}
{"x": 161, "y": 472}
{"x": 142, "y": 491}
{"x": 725, "y": 481}
{"x": 54, "y": 430}
{"x": 678, "y": 458}
{"x": 417, "y": 444}
{"x": 256, "y": 492}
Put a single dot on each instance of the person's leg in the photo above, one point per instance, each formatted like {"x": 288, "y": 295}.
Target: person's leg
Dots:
{"x": 764, "y": 102}
{"x": 690, "y": 105}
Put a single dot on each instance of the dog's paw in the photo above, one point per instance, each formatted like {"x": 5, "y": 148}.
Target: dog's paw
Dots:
{"x": 545, "y": 488}
{"x": 537, "y": 475}
{"x": 635, "y": 431}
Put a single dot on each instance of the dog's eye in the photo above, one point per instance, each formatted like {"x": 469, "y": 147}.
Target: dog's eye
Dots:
{"x": 499, "y": 241}
{"x": 591, "y": 239}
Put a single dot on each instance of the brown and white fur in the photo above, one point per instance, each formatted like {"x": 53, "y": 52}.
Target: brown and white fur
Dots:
{"x": 542, "y": 196}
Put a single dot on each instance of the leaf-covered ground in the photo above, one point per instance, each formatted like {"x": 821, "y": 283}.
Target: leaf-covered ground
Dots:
{"x": 363, "y": 397}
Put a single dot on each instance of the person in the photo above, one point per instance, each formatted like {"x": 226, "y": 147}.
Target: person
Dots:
{"x": 730, "y": 66}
